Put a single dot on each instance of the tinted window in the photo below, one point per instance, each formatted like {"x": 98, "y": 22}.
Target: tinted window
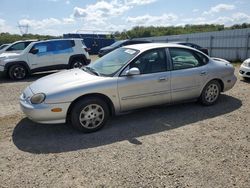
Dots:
{"x": 139, "y": 42}
{"x": 61, "y": 45}
{"x": 151, "y": 62}
{"x": 184, "y": 59}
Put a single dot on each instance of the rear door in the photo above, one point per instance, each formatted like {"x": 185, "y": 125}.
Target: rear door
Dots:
{"x": 62, "y": 50}
{"x": 151, "y": 86}
{"x": 189, "y": 72}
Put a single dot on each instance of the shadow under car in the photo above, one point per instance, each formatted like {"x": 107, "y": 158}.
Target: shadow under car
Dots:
{"x": 40, "y": 138}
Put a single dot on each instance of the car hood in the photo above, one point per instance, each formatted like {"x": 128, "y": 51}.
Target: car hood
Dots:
{"x": 9, "y": 55}
{"x": 62, "y": 81}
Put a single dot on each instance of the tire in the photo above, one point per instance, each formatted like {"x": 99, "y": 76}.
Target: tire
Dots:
{"x": 210, "y": 93}
{"x": 17, "y": 72}
{"x": 89, "y": 114}
{"x": 77, "y": 63}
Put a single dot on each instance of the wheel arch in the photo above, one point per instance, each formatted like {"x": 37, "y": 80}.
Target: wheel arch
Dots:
{"x": 77, "y": 56}
{"x": 23, "y": 63}
{"x": 97, "y": 95}
{"x": 218, "y": 80}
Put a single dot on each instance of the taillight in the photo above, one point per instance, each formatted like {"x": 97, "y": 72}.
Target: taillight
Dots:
{"x": 87, "y": 49}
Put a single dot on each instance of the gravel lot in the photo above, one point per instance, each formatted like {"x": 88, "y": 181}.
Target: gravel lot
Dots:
{"x": 183, "y": 145}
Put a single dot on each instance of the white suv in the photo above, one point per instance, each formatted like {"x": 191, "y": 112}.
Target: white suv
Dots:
{"x": 43, "y": 56}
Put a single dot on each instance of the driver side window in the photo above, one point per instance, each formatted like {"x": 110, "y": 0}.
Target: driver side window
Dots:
{"x": 151, "y": 62}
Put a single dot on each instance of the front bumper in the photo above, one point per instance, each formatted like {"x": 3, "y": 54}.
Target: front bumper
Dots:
{"x": 41, "y": 113}
{"x": 244, "y": 71}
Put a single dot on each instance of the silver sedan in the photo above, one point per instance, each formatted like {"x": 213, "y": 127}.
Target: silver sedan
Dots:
{"x": 128, "y": 78}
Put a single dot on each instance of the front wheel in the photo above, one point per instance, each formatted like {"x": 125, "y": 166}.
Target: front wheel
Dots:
{"x": 89, "y": 114}
{"x": 17, "y": 72}
{"x": 210, "y": 93}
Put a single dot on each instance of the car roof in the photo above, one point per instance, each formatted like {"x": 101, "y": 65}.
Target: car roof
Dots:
{"x": 63, "y": 39}
{"x": 148, "y": 46}
{"x": 30, "y": 40}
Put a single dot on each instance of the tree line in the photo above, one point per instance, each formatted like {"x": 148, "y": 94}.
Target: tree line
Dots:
{"x": 136, "y": 32}
{"x": 141, "y": 31}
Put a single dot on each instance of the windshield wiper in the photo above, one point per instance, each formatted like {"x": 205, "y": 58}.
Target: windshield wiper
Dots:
{"x": 92, "y": 70}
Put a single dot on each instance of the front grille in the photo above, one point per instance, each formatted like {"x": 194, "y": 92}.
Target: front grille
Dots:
{"x": 248, "y": 73}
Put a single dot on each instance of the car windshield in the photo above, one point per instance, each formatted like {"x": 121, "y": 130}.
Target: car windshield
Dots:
{"x": 109, "y": 64}
{"x": 117, "y": 43}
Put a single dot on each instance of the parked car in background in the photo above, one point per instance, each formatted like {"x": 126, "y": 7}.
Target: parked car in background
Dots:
{"x": 128, "y": 78}
{"x": 45, "y": 55}
{"x": 118, "y": 44}
{"x": 192, "y": 45}
{"x": 3, "y": 46}
{"x": 245, "y": 69}
{"x": 17, "y": 46}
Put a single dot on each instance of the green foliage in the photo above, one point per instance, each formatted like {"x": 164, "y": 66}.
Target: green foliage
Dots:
{"x": 151, "y": 31}
{"x": 10, "y": 38}
{"x": 136, "y": 32}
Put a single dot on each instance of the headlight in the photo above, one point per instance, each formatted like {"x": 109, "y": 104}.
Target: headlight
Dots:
{"x": 246, "y": 63}
{"x": 38, "y": 98}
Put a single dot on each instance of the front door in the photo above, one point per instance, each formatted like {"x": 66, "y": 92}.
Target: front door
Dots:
{"x": 44, "y": 58}
{"x": 150, "y": 87}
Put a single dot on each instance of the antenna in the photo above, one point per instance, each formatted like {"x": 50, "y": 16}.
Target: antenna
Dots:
{"x": 24, "y": 29}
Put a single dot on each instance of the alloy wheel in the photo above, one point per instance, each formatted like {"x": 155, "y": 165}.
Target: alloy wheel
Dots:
{"x": 91, "y": 116}
{"x": 212, "y": 93}
{"x": 19, "y": 72}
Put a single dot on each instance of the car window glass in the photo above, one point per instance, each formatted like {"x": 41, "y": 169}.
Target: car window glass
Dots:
{"x": 203, "y": 59}
{"x": 42, "y": 48}
{"x": 18, "y": 46}
{"x": 109, "y": 64}
{"x": 151, "y": 62}
{"x": 184, "y": 59}
{"x": 61, "y": 45}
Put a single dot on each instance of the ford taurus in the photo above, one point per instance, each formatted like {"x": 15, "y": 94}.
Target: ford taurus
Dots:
{"x": 128, "y": 78}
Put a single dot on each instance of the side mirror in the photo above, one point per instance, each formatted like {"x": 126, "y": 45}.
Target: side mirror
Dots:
{"x": 34, "y": 51}
{"x": 132, "y": 71}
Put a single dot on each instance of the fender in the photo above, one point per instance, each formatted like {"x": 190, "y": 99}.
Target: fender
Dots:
{"x": 80, "y": 56}
{"x": 9, "y": 64}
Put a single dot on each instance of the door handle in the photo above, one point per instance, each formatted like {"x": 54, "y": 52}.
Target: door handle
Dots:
{"x": 203, "y": 73}
{"x": 163, "y": 79}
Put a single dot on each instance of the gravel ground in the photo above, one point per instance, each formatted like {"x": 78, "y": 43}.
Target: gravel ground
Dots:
{"x": 183, "y": 145}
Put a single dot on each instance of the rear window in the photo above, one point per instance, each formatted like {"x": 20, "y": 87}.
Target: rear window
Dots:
{"x": 63, "y": 44}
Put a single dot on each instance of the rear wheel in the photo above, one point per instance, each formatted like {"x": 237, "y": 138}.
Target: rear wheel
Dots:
{"x": 17, "y": 72}
{"x": 210, "y": 93}
{"x": 89, "y": 114}
{"x": 77, "y": 63}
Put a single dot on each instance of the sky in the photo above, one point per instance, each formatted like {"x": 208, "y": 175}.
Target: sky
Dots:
{"x": 56, "y": 17}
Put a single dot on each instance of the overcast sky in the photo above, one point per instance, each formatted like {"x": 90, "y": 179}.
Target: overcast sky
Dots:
{"x": 55, "y": 17}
